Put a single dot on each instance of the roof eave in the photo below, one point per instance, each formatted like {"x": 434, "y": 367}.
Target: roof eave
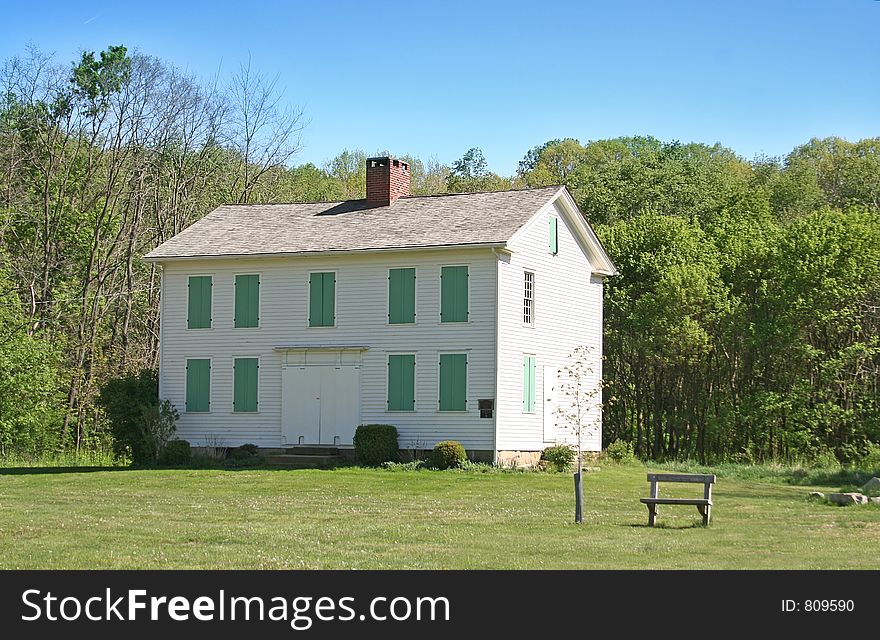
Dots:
{"x": 225, "y": 256}
{"x": 610, "y": 268}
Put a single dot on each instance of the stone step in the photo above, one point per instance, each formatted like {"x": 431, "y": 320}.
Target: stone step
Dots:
{"x": 302, "y": 461}
{"x": 312, "y": 450}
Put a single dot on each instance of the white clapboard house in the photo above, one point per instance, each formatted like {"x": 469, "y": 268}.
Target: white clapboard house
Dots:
{"x": 447, "y": 316}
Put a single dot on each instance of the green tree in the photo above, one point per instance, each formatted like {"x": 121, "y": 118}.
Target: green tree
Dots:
{"x": 30, "y": 402}
{"x": 470, "y": 174}
{"x": 551, "y": 163}
{"x": 308, "y": 183}
{"x": 426, "y": 178}
{"x": 349, "y": 169}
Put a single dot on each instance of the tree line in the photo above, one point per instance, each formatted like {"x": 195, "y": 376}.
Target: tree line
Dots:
{"x": 744, "y": 324}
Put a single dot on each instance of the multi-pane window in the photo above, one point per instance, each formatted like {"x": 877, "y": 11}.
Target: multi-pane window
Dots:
{"x": 401, "y": 382}
{"x": 453, "y": 382}
{"x": 247, "y": 301}
{"x": 402, "y": 296}
{"x": 529, "y": 298}
{"x": 245, "y": 374}
{"x": 198, "y": 310}
{"x": 454, "y": 294}
{"x": 322, "y": 299}
{"x": 198, "y": 385}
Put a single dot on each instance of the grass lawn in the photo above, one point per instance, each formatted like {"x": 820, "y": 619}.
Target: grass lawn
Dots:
{"x": 357, "y": 518}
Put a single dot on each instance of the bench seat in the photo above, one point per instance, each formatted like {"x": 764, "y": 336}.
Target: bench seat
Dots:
{"x": 695, "y": 501}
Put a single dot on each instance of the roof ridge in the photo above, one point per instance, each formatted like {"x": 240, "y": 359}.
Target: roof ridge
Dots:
{"x": 410, "y": 197}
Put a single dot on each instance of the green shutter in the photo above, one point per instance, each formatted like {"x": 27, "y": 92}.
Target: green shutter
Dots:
{"x": 329, "y": 301}
{"x": 554, "y": 235}
{"x": 401, "y": 382}
{"x": 453, "y": 382}
{"x": 322, "y": 297}
{"x": 402, "y": 296}
{"x": 198, "y": 385}
{"x": 247, "y": 301}
{"x": 316, "y": 311}
{"x": 528, "y": 383}
{"x": 198, "y": 315}
{"x": 245, "y": 383}
{"x": 453, "y": 294}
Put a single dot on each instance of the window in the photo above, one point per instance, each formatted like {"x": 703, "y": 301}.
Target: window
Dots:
{"x": 245, "y": 374}
{"x": 453, "y": 294}
{"x": 198, "y": 314}
{"x": 401, "y": 382}
{"x": 554, "y": 236}
{"x": 322, "y": 299}
{"x": 247, "y": 301}
{"x": 453, "y": 382}
{"x": 528, "y": 384}
{"x": 198, "y": 385}
{"x": 401, "y": 296}
{"x": 529, "y": 298}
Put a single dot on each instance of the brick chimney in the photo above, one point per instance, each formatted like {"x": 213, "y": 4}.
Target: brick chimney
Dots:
{"x": 387, "y": 180}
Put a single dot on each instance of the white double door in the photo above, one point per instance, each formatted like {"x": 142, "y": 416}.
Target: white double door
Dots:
{"x": 320, "y": 404}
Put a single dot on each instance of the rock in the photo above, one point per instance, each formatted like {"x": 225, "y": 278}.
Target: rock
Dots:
{"x": 818, "y": 495}
{"x": 844, "y": 499}
{"x": 872, "y": 487}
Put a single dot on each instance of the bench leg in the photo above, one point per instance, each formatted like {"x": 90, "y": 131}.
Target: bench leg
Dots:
{"x": 652, "y": 514}
{"x": 704, "y": 511}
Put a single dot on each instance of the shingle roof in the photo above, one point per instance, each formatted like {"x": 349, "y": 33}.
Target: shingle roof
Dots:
{"x": 426, "y": 221}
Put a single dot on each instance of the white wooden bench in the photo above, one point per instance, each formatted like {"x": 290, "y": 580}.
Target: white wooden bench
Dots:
{"x": 703, "y": 505}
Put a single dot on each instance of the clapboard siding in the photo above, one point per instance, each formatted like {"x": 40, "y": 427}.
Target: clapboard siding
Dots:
{"x": 361, "y": 319}
{"x": 568, "y": 313}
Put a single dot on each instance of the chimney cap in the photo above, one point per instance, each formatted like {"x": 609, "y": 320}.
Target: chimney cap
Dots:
{"x": 384, "y": 161}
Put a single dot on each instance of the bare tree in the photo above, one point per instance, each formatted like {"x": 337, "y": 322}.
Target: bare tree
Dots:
{"x": 100, "y": 162}
{"x": 579, "y": 409}
{"x": 262, "y": 129}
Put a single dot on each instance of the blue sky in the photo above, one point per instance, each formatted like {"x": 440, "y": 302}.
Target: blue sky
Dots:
{"x": 436, "y": 78}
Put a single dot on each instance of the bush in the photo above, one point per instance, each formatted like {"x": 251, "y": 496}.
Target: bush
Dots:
{"x": 375, "y": 444}
{"x": 559, "y": 456}
{"x": 139, "y": 422}
{"x": 449, "y": 454}
{"x": 244, "y": 452}
{"x": 869, "y": 462}
{"x": 175, "y": 452}
{"x": 246, "y": 455}
{"x": 620, "y": 451}
{"x": 824, "y": 458}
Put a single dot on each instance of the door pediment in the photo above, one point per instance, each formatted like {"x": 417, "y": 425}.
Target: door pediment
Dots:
{"x": 321, "y": 355}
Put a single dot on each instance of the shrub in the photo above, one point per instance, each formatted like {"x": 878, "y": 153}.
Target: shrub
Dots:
{"x": 139, "y": 422}
{"x": 244, "y": 452}
{"x": 175, "y": 452}
{"x": 824, "y": 458}
{"x": 246, "y": 455}
{"x": 375, "y": 444}
{"x": 869, "y": 462}
{"x": 620, "y": 451}
{"x": 559, "y": 456}
{"x": 449, "y": 454}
